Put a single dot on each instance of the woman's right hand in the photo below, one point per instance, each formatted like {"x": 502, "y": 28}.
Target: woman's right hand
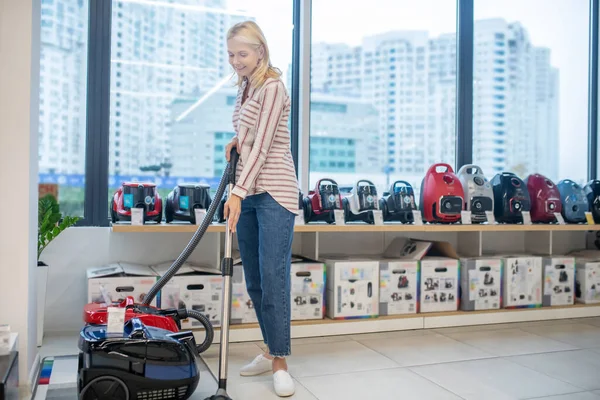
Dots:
{"x": 231, "y": 145}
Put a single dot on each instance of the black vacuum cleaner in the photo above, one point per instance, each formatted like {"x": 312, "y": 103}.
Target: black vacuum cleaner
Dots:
{"x": 152, "y": 359}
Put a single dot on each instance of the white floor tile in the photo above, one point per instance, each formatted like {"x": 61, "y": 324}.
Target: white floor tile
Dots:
{"x": 261, "y": 390}
{"x": 571, "y": 396}
{"x": 579, "y": 368}
{"x": 335, "y": 358}
{"x": 576, "y": 334}
{"x": 493, "y": 379}
{"x": 424, "y": 349}
{"x": 510, "y": 342}
{"x": 397, "y": 383}
{"x": 239, "y": 355}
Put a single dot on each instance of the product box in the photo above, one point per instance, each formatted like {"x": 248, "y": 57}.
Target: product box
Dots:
{"x": 587, "y": 276}
{"x": 480, "y": 284}
{"x": 439, "y": 272}
{"x": 352, "y": 287}
{"x": 559, "y": 281}
{"x": 308, "y": 279}
{"x": 522, "y": 281}
{"x": 242, "y": 308}
{"x": 398, "y": 287}
{"x": 194, "y": 287}
{"x": 587, "y": 281}
{"x": 114, "y": 282}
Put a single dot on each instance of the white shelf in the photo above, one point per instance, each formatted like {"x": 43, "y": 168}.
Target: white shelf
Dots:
{"x": 327, "y": 327}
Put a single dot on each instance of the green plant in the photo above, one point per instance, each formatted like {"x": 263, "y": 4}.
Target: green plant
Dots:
{"x": 51, "y": 223}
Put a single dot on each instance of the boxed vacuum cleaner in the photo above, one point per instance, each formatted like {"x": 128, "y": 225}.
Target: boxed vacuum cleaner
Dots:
{"x": 480, "y": 284}
{"x": 398, "y": 287}
{"x": 352, "y": 287}
{"x": 522, "y": 281}
{"x": 587, "y": 276}
{"x": 439, "y": 271}
{"x": 242, "y": 308}
{"x": 114, "y": 282}
{"x": 194, "y": 287}
{"x": 559, "y": 281}
{"x": 308, "y": 289}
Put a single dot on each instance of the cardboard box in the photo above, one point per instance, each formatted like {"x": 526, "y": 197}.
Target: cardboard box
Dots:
{"x": 398, "y": 287}
{"x": 242, "y": 308}
{"x": 194, "y": 287}
{"x": 522, "y": 281}
{"x": 114, "y": 282}
{"x": 307, "y": 290}
{"x": 352, "y": 287}
{"x": 439, "y": 271}
{"x": 587, "y": 276}
{"x": 480, "y": 284}
{"x": 559, "y": 281}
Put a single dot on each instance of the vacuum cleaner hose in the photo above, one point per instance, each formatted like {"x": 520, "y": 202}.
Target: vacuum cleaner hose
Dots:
{"x": 201, "y": 348}
{"x": 228, "y": 177}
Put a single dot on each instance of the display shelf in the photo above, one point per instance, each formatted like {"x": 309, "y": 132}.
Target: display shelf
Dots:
{"x": 328, "y": 327}
{"x": 358, "y": 227}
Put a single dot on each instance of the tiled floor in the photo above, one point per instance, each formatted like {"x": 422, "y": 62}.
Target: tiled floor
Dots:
{"x": 539, "y": 360}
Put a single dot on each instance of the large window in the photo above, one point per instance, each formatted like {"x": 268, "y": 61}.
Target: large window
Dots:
{"x": 62, "y": 98}
{"x": 530, "y": 92}
{"x": 383, "y": 90}
{"x": 172, "y": 88}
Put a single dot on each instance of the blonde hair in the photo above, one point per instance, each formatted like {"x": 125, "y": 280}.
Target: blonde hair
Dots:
{"x": 250, "y": 33}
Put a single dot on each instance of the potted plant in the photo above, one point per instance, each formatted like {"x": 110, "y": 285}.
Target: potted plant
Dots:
{"x": 51, "y": 223}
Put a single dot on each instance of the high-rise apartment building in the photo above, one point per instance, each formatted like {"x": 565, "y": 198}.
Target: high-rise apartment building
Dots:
{"x": 63, "y": 59}
{"x": 410, "y": 79}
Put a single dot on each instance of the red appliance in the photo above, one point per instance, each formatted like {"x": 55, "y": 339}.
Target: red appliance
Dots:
{"x": 545, "y": 198}
{"x": 97, "y": 313}
{"x": 142, "y": 195}
{"x": 321, "y": 202}
{"x": 442, "y": 195}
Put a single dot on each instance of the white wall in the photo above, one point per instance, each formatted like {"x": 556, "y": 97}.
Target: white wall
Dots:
{"x": 19, "y": 70}
{"x": 80, "y": 248}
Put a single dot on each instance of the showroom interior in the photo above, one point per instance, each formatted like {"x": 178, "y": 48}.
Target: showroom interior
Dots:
{"x": 447, "y": 158}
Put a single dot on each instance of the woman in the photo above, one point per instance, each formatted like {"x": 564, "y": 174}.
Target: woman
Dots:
{"x": 264, "y": 202}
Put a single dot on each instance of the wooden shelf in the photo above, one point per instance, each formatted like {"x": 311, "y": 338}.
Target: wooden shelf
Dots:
{"x": 329, "y": 327}
{"x": 360, "y": 227}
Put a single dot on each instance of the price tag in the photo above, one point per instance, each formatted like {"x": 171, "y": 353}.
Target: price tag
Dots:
{"x": 559, "y": 218}
{"x": 116, "y": 321}
{"x": 137, "y": 216}
{"x": 589, "y": 218}
{"x": 299, "y": 217}
{"x": 526, "y": 217}
{"x": 417, "y": 217}
{"x": 378, "y": 217}
{"x": 200, "y": 213}
{"x": 465, "y": 217}
{"x": 339, "y": 217}
{"x": 489, "y": 215}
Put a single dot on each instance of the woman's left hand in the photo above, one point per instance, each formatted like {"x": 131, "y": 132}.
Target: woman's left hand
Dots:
{"x": 232, "y": 211}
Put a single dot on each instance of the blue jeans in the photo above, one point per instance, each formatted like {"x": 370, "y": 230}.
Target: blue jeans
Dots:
{"x": 265, "y": 232}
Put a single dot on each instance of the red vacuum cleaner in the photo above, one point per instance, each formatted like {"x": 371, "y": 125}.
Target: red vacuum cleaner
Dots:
{"x": 545, "y": 198}
{"x": 321, "y": 202}
{"x": 152, "y": 358}
{"x": 442, "y": 195}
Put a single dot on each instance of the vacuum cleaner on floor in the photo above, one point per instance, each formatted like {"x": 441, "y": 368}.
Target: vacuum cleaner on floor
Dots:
{"x": 148, "y": 356}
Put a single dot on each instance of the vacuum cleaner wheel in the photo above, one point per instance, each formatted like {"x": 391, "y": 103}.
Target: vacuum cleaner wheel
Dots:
{"x": 106, "y": 387}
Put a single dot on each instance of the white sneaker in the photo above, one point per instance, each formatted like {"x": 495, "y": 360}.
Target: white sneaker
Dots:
{"x": 283, "y": 383}
{"x": 259, "y": 365}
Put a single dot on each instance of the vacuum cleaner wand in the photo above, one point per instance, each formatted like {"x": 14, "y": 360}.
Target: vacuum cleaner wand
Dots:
{"x": 227, "y": 272}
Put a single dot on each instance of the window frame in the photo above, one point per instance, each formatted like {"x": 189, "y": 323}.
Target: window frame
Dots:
{"x": 98, "y": 98}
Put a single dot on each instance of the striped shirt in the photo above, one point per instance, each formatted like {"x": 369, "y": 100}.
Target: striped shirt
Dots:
{"x": 265, "y": 163}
